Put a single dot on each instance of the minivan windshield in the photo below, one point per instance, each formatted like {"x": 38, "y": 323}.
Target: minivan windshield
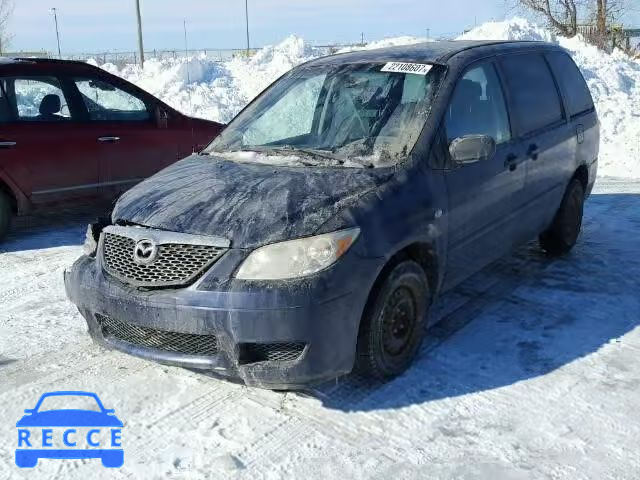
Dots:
{"x": 354, "y": 115}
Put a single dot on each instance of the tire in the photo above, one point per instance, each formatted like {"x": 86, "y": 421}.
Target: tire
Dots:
{"x": 563, "y": 233}
{"x": 5, "y": 214}
{"x": 393, "y": 323}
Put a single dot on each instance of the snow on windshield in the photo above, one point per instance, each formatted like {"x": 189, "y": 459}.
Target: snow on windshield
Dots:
{"x": 363, "y": 115}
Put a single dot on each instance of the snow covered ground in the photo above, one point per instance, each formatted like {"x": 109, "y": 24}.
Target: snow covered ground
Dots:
{"x": 533, "y": 373}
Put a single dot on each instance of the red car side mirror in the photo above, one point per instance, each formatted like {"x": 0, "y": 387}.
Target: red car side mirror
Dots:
{"x": 162, "y": 117}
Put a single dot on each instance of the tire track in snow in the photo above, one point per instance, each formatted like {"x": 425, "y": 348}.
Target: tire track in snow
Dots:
{"x": 206, "y": 403}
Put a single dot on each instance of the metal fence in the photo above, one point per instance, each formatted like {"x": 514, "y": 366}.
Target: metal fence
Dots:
{"x": 122, "y": 58}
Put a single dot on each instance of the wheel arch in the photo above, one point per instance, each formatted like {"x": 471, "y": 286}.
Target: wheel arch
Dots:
{"x": 582, "y": 174}
{"x": 4, "y": 188}
{"x": 19, "y": 202}
{"x": 424, "y": 254}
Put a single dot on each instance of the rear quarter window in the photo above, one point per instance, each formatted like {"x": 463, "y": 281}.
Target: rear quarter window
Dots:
{"x": 574, "y": 88}
{"x": 534, "y": 95}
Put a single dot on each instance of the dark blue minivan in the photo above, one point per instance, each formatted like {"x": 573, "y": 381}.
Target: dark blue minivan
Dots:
{"x": 312, "y": 236}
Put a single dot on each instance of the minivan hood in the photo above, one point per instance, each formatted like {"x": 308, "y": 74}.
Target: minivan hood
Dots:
{"x": 248, "y": 204}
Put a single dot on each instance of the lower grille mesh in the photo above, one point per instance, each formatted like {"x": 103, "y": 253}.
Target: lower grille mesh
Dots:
{"x": 186, "y": 343}
{"x": 270, "y": 352}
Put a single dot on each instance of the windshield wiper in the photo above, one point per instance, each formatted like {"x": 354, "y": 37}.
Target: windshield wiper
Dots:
{"x": 292, "y": 149}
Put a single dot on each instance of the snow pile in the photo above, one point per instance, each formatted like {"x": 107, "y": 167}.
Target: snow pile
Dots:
{"x": 614, "y": 81}
{"x": 388, "y": 42}
{"x": 216, "y": 90}
{"x": 207, "y": 88}
{"x": 513, "y": 29}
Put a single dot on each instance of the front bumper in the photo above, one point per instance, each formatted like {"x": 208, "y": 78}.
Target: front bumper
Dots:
{"x": 321, "y": 312}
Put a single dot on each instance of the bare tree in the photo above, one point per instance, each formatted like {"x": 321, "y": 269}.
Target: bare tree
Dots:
{"x": 6, "y": 10}
{"x": 608, "y": 17}
{"x": 560, "y": 15}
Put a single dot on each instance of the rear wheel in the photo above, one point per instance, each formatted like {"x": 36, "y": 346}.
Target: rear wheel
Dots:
{"x": 5, "y": 214}
{"x": 394, "y": 322}
{"x": 563, "y": 232}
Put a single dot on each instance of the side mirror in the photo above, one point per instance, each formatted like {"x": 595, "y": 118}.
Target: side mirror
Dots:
{"x": 29, "y": 410}
{"x": 162, "y": 117}
{"x": 472, "y": 148}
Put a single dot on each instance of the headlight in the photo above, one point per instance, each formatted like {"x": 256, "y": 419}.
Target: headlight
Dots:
{"x": 90, "y": 244}
{"x": 297, "y": 258}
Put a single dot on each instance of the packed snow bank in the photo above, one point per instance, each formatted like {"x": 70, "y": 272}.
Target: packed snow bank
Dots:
{"x": 216, "y": 90}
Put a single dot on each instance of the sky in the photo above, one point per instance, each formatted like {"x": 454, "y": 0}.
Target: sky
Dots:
{"x": 94, "y": 26}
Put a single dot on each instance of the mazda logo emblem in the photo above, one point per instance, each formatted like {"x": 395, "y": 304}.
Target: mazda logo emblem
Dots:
{"x": 145, "y": 252}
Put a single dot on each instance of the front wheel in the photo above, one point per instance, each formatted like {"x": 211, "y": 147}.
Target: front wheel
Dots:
{"x": 563, "y": 233}
{"x": 394, "y": 322}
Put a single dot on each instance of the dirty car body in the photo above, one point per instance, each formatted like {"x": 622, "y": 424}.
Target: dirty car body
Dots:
{"x": 259, "y": 258}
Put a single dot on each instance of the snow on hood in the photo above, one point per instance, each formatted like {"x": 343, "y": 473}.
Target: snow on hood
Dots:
{"x": 205, "y": 87}
{"x": 249, "y": 204}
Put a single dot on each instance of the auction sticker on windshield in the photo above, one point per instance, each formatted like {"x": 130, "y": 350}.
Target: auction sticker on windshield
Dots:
{"x": 402, "y": 67}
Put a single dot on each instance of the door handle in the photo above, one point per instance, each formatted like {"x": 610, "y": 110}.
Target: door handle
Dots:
{"x": 7, "y": 144}
{"x": 108, "y": 139}
{"x": 511, "y": 162}
{"x": 533, "y": 151}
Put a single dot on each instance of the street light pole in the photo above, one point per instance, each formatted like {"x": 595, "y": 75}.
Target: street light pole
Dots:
{"x": 55, "y": 19}
{"x": 246, "y": 14}
{"x": 140, "y": 44}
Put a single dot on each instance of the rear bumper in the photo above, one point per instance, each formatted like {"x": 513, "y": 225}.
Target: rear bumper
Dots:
{"x": 315, "y": 313}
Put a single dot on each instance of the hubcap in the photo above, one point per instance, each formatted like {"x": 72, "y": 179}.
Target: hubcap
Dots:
{"x": 399, "y": 321}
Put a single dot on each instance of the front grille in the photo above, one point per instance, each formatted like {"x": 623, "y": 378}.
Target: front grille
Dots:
{"x": 270, "y": 352}
{"x": 186, "y": 343}
{"x": 176, "y": 264}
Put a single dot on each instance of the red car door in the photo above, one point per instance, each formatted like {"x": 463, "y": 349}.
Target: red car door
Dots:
{"x": 42, "y": 148}
{"x": 131, "y": 132}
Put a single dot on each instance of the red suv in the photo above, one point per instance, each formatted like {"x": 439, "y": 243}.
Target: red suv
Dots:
{"x": 71, "y": 132}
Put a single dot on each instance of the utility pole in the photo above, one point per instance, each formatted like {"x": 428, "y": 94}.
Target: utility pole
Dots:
{"x": 55, "y": 19}
{"x": 246, "y": 15}
{"x": 140, "y": 44}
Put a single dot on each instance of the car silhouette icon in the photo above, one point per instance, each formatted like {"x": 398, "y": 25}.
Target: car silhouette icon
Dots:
{"x": 38, "y": 417}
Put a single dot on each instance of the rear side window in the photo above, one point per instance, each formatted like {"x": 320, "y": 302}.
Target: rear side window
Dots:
{"x": 572, "y": 84}
{"x": 40, "y": 99}
{"x": 533, "y": 92}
